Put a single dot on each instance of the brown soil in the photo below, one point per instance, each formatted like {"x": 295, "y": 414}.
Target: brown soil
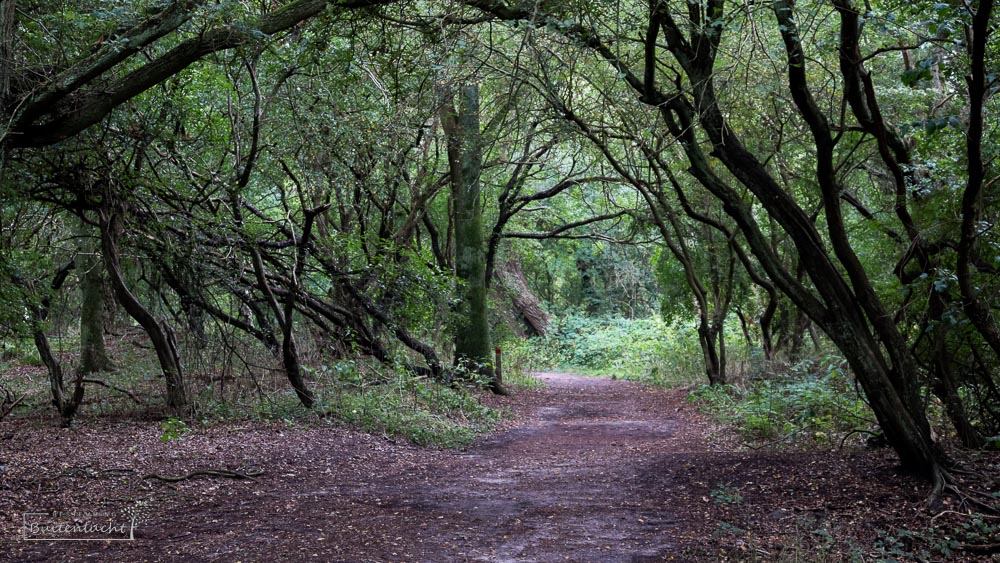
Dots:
{"x": 592, "y": 470}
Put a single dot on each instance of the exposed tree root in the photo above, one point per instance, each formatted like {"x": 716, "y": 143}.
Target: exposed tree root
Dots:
{"x": 207, "y": 473}
{"x": 983, "y": 549}
{"x": 944, "y": 483}
{"x": 966, "y": 514}
{"x": 113, "y": 388}
{"x": 983, "y": 506}
{"x": 942, "y": 480}
{"x": 857, "y": 431}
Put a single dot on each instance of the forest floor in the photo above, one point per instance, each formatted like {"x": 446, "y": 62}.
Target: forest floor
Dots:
{"x": 589, "y": 469}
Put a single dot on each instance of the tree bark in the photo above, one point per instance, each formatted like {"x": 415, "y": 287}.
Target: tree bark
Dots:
{"x": 8, "y": 32}
{"x": 67, "y": 406}
{"x": 978, "y": 311}
{"x": 93, "y": 354}
{"x": 160, "y": 334}
{"x": 472, "y": 330}
{"x": 536, "y": 318}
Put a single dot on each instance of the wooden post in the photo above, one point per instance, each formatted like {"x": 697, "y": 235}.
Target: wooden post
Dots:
{"x": 498, "y": 367}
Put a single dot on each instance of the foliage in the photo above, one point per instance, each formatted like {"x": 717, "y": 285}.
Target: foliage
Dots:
{"x": 726, "y": 494}
{"x": 424, "y": 412}
{"x": 279, "y": 172}
{"x": 521, "y": 359}
{"x": 173, "y": 429}
{"x": 814, "y": 402}
{"x": 19, "y": 351}
{"x": 646, "y": 350}
{"x": 372, "y": 398}
{"x": 938, "y": 540}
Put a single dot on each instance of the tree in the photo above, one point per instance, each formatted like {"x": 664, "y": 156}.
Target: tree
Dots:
{"x": 856, "y": 206}
{"x": 472, "y": 330}
{"x": 93, "y": 355}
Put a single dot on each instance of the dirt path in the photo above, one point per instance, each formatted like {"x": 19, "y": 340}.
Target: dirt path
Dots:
{"x": 596, "y": 470}
{"x": 567, "y": 485}
{"x": 571, "y": 482}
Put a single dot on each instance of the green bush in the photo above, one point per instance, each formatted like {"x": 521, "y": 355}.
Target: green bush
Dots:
{"x": 425, "y": 412}
{"x": 814, "y": 401}
{"x": 173, "y": 429}
{"x": 19, "y": 351}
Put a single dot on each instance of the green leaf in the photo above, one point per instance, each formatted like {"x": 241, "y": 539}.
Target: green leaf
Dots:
{"x": 913, "y": 76}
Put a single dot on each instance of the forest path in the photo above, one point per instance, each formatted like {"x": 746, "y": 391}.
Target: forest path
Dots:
{"x": 570, "y": 484}
{"x": 592, "y": 470}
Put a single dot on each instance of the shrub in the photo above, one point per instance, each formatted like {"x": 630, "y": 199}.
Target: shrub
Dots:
{"x": 814, "y": 401}
{"x": 422, "y": 411}
{"x": 370, "y": 396}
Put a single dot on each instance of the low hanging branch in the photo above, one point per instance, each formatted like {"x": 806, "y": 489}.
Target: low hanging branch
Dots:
{"x": 113, "y": 388}
{"x": 82, "y": 96}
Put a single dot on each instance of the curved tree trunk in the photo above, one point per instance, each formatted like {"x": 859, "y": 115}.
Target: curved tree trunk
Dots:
{"x": 67, "y": 406}
{"x": 160, "y": 335}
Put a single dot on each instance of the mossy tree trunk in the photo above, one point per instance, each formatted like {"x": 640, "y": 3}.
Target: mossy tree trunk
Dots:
{"x": 472, "y": 331}
{"x": 93, "y": 354}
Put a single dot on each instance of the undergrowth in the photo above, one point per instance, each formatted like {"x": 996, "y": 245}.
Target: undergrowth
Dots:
{"x": 375, "y": 399}
{"x": 646, "y": 350}
{"x": 364, "y": 394}
{"x": 812, "y": 402}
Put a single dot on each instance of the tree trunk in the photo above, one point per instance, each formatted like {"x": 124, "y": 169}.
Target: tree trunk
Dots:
{"x": 67, "y": 407}
{"x": 8, "y": 31}
{"x": 978, "y": 311}
{"x": 289, "y": 348}
{"x": 536, "y": 318}
{"x": 946, "y": 384}
{"x": 93, "y": 355}
{"x": 160, "y": 335}
{"x": 710, "y": 353}
{"x": 845, "y": 307}
{"x": 765, "y": 322}
{"x": 472, "y": 331}
{"x": 285, "y": 318}
{"x": 722, "y": 352}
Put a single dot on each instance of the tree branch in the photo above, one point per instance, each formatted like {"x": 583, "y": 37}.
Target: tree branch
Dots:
{"x": 78, "y": 107}
{"x": 569, "y": 226}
